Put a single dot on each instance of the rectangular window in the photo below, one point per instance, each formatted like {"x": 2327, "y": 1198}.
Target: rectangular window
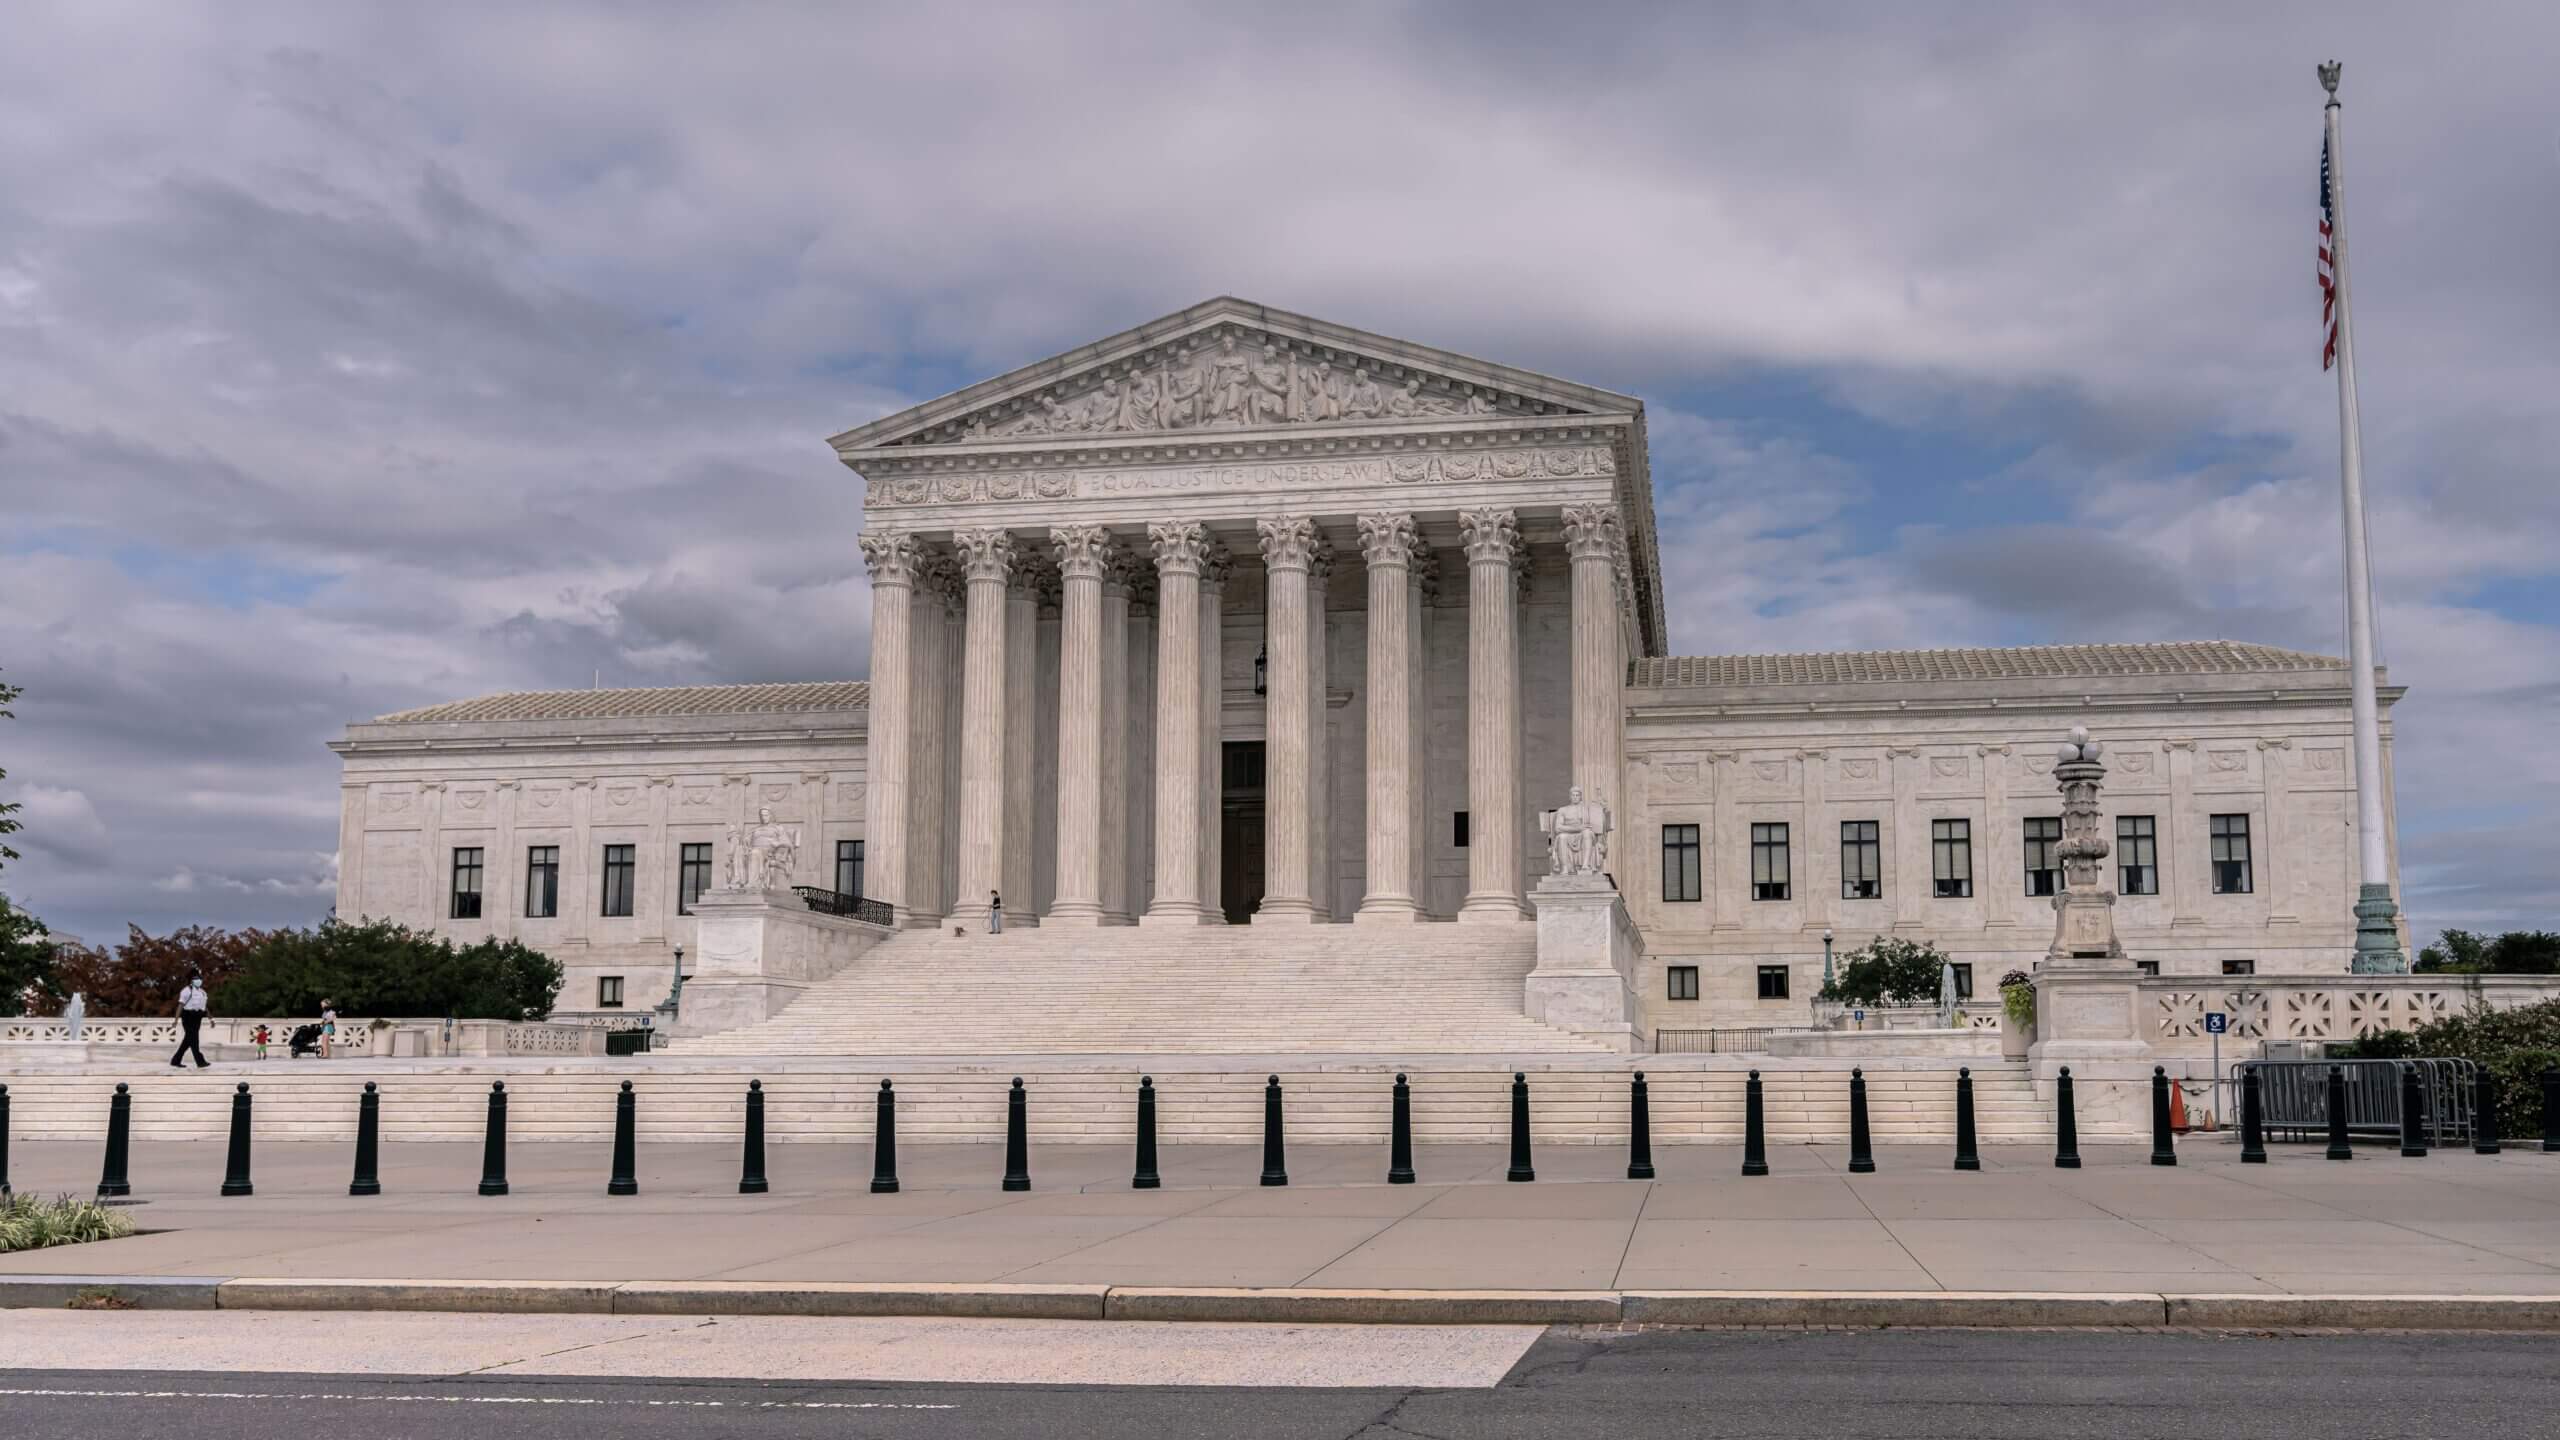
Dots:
{"x": 2230, "y": 839}
{"x": 2137, "y": 856}
{"x": 1769, "y": 870}
{"x": 1773, "y": 982}
{"x": 1684, "y": 981}
{"x": 541, "y": 881}
{"x": 693, "y": 875}
{"x": 608, "y": 992}
{"x": 1964, "y": 979}
{"x": 849, "y": 868}
{"x": 617, "y": 879}
{"x": 2239, "y": 967}
{"x": 1680, "y": 862}
{"x": 2044, "y": 858}
{"x": 1951, "y": 857}
{"x": 466, "y": 882}
{"x": 1861, "y": 861}
{"x": 1458, "y": 830}
{"x": 2148, "y": 967}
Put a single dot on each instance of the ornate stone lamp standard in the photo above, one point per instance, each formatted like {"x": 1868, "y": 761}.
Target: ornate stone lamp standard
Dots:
{"x": 675, "y": 991}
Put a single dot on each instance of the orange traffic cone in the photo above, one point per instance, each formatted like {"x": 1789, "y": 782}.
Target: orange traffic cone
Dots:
{"x": 2178, "y": 1107}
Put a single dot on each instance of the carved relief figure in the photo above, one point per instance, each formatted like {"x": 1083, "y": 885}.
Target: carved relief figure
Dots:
{"x": 772, "y": 850}
{"x": 1577, "y": 836}
{"x": 1229, "y": 375}
{"x": 733, "y": 861}
{"x": 1181, "y": 404}
{"x": 1271, "y": 385}
{"x": 1365, "y": 401}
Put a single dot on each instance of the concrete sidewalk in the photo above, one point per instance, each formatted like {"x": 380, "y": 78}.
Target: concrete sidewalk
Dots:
{"x": 2451, "y": 1224}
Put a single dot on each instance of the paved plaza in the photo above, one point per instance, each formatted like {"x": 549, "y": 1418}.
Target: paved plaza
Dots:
{"x": 2451, "y": 1224}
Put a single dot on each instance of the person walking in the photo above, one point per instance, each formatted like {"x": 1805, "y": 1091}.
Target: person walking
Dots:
{"x": 328, "y": 1025}
{"x": 191, "y": 1008}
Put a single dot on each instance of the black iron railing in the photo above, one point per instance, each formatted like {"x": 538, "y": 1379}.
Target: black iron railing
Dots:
{"x": 850, "y": 907}
{"x": 1711, "y": 1042}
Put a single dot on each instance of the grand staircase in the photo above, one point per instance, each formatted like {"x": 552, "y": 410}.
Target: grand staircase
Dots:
{"x": 1403, "y": 990}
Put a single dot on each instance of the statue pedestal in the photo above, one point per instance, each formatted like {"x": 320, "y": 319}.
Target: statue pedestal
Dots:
{"x": 756, "y": 952}
{"x": 2088, "y": 1017}
{"x": 1588, "y": 947}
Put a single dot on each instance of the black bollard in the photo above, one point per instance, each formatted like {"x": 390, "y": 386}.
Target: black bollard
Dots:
{"x": 1862, "y": 1150}
{"x": 2066, "y": 1124}
{"x": 1400, "y": 1136}
{"x": 235, "y": 1164}
{"x": 1520, "y": 1167}
{"x": 2253, "y": 1125}
{"x": 626, "y": 1144}
{"x": 2413, "y": 1115}
{"x": 368, "y": 1179}
{"x": 4, "y": 1142}
{"x": 493, "y": 1144}
{"x": 1639, "y": 1131}
{"x": 2164, "y": 1149}
{"x": 1017, "y": 1143}
{"x": 1968, "y": 1157}
{"x": 751, "y": 1179}
{"x": 2339, "y": 1148}
{"x": 1145, "y": 1177}
{"x": 2484, "y": 1115}
{"x": 884, "y": 1142}
{"x": 2551, "y": 1109}
{"x": 111, "y": 1181}
{"x": 1275, "y": 1163}
{"x": 1755, "y": 1139}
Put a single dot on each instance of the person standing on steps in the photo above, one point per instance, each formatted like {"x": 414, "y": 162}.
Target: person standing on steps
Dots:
{"x": 191, "y": 1008}
{"x": 995, "y": 913}
{"x": 328, "y": 1026}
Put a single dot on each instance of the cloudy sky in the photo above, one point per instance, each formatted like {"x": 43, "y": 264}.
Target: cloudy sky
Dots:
{"x": 354, "y": 357}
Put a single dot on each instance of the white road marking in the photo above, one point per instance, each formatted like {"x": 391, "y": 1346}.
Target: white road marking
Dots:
{"x": 473, "y": 1400}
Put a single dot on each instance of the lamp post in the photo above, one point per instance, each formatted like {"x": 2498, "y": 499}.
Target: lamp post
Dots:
{"x": 1826, "y": 959}
{"x": 675, "y": 991}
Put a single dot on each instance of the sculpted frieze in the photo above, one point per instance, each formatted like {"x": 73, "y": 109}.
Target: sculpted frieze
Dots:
{"x": 991, "y": 487}
{"x": 1235, "y": 379}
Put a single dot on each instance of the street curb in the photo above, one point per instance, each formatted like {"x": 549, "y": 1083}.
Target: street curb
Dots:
{"x": 1917, "y": 1309}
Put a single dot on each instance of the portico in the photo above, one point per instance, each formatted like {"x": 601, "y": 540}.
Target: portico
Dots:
{"x": 1242, "y": 532}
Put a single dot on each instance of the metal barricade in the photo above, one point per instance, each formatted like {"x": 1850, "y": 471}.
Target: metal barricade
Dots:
{"x": 1711, "y": 1042}
{"x": 2294, "y": 1097}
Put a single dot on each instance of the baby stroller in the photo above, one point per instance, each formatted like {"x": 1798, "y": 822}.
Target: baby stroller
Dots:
{"x": 306, "y": 1040}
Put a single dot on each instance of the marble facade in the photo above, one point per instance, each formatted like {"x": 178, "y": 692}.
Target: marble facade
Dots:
{"x": 1244, "y": 616}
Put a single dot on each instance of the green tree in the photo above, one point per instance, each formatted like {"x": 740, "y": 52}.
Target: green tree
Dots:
{"x": 376, "y": 967}
{"x": 143, "y": 975}
{"x": 2456, "y": 952}
{"x": 2517, "y": 952}
{"x": 26, "y": 961}
{"x": 1889, "y": 970}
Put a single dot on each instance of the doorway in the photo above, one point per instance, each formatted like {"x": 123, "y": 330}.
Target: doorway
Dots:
{"x": 1240, "y": 829}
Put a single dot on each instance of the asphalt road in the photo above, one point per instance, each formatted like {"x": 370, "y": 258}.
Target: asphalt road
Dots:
{"x": 1907, "y": 1385}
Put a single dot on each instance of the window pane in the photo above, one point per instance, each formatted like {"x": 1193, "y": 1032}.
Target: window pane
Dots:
{"x": 617, "y": 880}
{"x": 693, "y": 876}
{"x": 1773, "y": 982}
{"x": 1683, "y": 982}
{"x": 1861, "y": 861}
{"x": 542, "y": 881}
{"x": 466, "y": 883}
{"x": 1680, "y": 862}
{"x": 2228, "y": 837}
{"x": 1769, "y": 862}
{"x": 1951, "y": 857}
{"x": 2137, "y": 856}
{"x": 849, "y": 867}
{"x": 2044, "y": 861}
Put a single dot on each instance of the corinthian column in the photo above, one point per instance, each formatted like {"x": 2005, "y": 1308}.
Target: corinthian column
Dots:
{"x": 986, "y": 557}
{"x": 1390, "y": 543}
{"x": 1021, "y": 822}
{"x": 1114, "y": 861}
{"x": 1319, "y": 744}
{"x": 1180, "y": 547}
{"x": 1288, "y": 543}
{"x": 1591, "y": 541}
{"x": 888, "y": 745}
{"x": 1084, "y": 553}
{"x": 1493, "y": 717}
{"x": 1213, "y": 635}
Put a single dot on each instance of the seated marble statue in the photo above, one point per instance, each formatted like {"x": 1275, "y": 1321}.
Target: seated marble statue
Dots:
{"x": 1577, "y": 836}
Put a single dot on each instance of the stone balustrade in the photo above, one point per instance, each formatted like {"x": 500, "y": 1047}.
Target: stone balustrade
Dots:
{"x": 2280, "y": 1008}
{"x": 355, "y": 1037}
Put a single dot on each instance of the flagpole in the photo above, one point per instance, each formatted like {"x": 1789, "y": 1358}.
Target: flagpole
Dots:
{"x": 2378, "y": 949}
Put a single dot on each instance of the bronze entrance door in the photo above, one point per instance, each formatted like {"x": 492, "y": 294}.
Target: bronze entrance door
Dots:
{"x": 1240, "y": 835}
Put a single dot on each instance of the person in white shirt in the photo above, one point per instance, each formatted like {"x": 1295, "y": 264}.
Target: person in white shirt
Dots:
{"x": 191, "y": 1008}
{"x": 328, "y": 1025}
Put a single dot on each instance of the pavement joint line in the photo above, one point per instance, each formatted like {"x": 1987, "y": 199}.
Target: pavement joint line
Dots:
{"x": 1849, "y": 1309}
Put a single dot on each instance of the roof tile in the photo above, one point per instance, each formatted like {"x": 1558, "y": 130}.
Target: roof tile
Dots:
{"x": 2194, "y": 657}
{"x": 785, "y": 698}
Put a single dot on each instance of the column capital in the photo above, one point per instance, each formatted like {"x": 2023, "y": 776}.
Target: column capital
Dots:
{"x": 1289, "y": 542}
{"x": 892, "y": 556}
{"x": 985, "y": 554}
{"x": 1491, "y": 537}
{"x": 1388, "y": 540}
{"x": 1216, "y": 564}
{"x": 1320, "y": 559}
{"x": 1085, "y": 552}
{"x": 1591, "y": 532}
{"x": 1180, "y": 546}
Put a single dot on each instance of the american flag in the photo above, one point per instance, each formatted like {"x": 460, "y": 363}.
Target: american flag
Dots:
{"x": 2328, "y": 265}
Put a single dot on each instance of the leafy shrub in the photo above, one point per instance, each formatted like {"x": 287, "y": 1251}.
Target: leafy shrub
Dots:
{"x": 2514, "y": 1046}
{"x": 143, "y": 975}
{"x": 375, "y": 967}
{"x": 2018, "y": 997}
{"x": 1889, "y": 970}
{"x": 27, "y": 1223}
{"x": 2518, "y": 952}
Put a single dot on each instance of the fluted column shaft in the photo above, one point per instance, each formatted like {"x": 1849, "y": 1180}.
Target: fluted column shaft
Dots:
{"x": 1389, "y": 542}
{"x": 1115, "y": 683}
{"x": 889, "y": 748}
{"x": 1020, "y": 824}
{"x": 1083, "y": 555}
{"x": 1319, "y": 740}
{"x": 1213, "y": 830}
{"x": 929, "y": 789}
{"x": 1493, "y": 717}
{"x": 1599, "y": 654}
{"x": 1180, "y": 547}
{"x": 1287, "y": 543}
{"x": 987, "y": 558}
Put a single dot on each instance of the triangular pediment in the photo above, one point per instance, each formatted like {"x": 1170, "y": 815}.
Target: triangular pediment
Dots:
{"x": 1229, "y": 365}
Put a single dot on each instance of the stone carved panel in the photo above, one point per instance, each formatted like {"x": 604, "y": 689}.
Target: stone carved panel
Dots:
{"x": 2228, "y": 762}
{"x": 1950, "y": 767}
{"x": 1859, "y": 769}
{"x": 2327, "y": 762}
{"x": 1229, "y": 379}
{"x": 980, "y": 487}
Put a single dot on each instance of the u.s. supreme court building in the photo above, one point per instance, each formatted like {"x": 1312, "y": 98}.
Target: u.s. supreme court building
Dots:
{"x": 1241, "y": 623}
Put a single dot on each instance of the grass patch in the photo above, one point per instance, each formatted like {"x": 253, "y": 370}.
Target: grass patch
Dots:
{"x": 27, "y": 1223}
